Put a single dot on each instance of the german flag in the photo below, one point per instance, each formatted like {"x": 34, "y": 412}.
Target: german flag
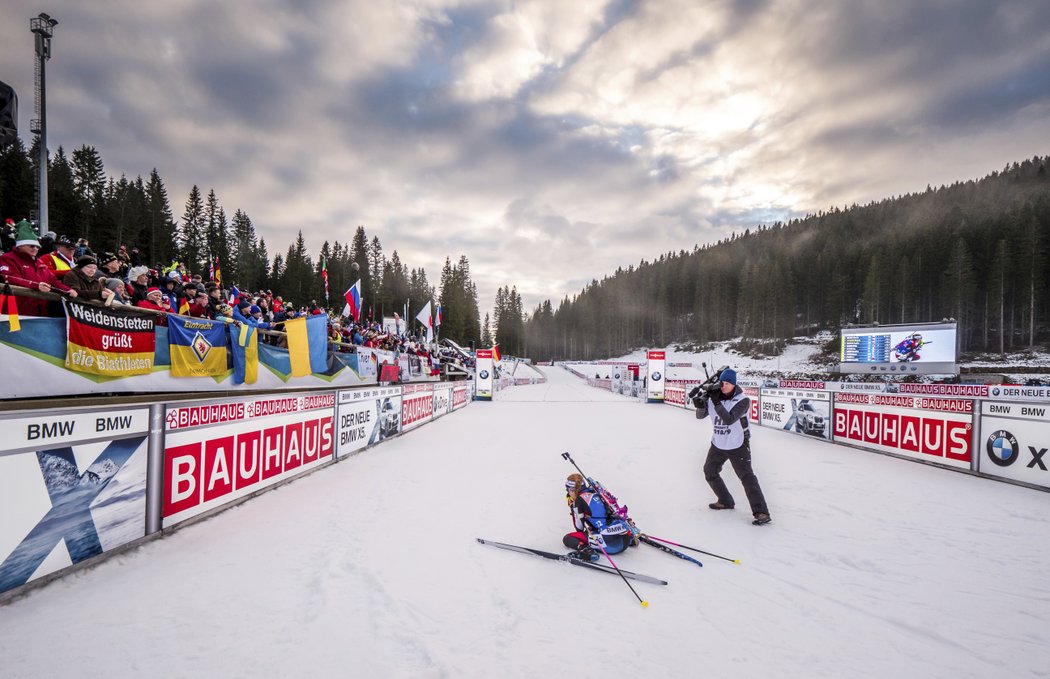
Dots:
{"x": 101, "y": 341}
{"x": 197, "y": 347}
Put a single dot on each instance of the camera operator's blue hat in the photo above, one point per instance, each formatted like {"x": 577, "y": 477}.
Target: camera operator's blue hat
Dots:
{"x": 728, "y": 375}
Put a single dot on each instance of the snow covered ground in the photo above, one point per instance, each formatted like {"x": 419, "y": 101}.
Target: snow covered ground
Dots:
{"x": 872, "y": 567}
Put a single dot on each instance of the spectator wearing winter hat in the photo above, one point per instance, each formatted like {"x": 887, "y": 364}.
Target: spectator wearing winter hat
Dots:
{"x": 62, "y": 260}
{"x": 155, "y": 301}
{"x": 108, "y": 266}
{"x": 120, "y": 293}
{"x": 730, "y": 441}
{"x": 20, "y": 266}
{"x": 193, "y": 301}
{"x": 83, "y": 280}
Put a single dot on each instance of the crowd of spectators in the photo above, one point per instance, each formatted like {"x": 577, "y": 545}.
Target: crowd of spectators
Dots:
{"x": 59, "y": 264}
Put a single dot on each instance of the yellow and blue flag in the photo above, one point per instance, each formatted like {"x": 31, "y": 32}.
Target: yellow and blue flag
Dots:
{"x": 197, "y": 347}
{"x": 245, "y": 354}
{"x": 307, "y": 344}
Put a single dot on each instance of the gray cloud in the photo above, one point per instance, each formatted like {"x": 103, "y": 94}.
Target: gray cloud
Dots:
{"x": 550, "y": 143}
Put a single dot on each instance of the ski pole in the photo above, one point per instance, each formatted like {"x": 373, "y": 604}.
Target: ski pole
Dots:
{"x": 645, "y": 604}
{"x": 692, "y": 549}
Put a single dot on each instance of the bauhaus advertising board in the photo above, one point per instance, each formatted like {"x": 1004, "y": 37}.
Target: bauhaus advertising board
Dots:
{"x": 366, "y": 417}
{"x": 930, "y": 428}
{"x": 217, "y": 452}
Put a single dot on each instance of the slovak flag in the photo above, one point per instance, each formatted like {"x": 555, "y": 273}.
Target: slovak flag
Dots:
{"x": 353, "y": 301}
{"x": 437, "y": 317}
{"x": 235, "y": 295}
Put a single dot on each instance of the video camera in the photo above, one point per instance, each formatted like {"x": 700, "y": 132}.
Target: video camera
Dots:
{"x": 701, "y": 392}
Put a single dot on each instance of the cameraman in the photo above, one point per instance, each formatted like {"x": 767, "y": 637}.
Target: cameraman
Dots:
{"x": 730, "y": 440}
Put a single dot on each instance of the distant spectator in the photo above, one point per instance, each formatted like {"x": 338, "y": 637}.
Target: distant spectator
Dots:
{"x": 120, "y": 293}
{"x": 82, "y": 248}
{"x": 109, "y": 266}
{"x": 154, "y": 300}
{"x": 82, "y": 279}
{"x": 47, "y": 244}
{"x": 62, "y": 260}
{"x": 138, "y": 282}
{"x": 21, "y": 267}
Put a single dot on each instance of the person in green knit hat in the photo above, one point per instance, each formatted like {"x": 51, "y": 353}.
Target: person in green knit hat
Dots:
{"x": 21, "y": 267}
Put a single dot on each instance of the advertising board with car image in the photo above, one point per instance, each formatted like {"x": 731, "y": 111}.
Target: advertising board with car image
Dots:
{"x": 803, "y": 411}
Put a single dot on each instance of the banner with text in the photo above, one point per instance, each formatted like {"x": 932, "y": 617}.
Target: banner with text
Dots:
{"x": 442, "y": 398}
{"x": 799, "y": 410}
{"x": 220, "y": 451}
{"x": 72, "y": 486}
{"x": 460, "y": 395}
{"x": 483, "y": 375}
{"x": 366, "y": 417}
{"x": 655, "y": 383}
{"x": 417, "y": 405}
{"x": 101, "y": 341}
{"x": 929, "y": 428}
{"x": 1014, "y": 440}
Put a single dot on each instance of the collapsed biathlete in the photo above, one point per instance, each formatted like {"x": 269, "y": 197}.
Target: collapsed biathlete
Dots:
{"x": 595, "y": 529}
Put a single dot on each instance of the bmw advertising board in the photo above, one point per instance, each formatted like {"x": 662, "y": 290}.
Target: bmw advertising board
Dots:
{"x": 483, "y": 375}
{"x": 1013, "y": 442}
{"x": 797, "y": 410}
{"x": 655, "y": 383}
{"x": 366, "y": 417}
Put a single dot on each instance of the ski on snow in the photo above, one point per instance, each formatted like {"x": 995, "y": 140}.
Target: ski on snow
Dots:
{"x": 575, "y": 562}
{"x": 664, "y": 548}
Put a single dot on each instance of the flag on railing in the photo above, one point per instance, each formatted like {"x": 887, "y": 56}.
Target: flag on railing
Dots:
{"x": 245, "y": 353}
{"x": 307, "y": 344}
{"x": 324, "y": 275}
{"x": 197, "y": 347}
{"x": 424, "y": 317}
{"x": 101, "y": 341}
{"x": 353, "y": 301}
{"x": 14, "y": 325}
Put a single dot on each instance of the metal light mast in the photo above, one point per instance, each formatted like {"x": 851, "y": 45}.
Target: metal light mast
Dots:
{"x": 43, "y": 27}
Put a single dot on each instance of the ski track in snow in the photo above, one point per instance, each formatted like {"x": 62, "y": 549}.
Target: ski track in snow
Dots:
{"x": 873, "y": 566}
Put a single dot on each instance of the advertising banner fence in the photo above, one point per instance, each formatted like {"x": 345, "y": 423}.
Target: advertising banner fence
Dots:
{"x": 102, "y": 341}
{"x": 930, "y": 428}
{"x": 442, "y": 399}
{"x": 1014, "y": 440}
{"x": 674, "y": 394}
{"x": 460, "y": 395}
{"x": 366, "y": 417}
{"x": 72, "y": 486}
{"x": 755, "y": 394}
{"x": 417, "y": 405}
{"x": 220, "y": 451}
{"x": 802, "y": 411}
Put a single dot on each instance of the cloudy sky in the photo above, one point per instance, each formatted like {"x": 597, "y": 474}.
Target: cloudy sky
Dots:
{"x": 548, "y": 141}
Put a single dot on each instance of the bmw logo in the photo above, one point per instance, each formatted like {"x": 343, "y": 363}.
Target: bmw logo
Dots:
{"x": 656, "y": 377}
{"x": 1002, "y": 448}
{"x": 995, "y": 391}
{"x": 484, "y": 374}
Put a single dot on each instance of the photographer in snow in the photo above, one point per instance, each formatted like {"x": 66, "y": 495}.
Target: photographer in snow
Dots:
{"x": 730, "y": 440}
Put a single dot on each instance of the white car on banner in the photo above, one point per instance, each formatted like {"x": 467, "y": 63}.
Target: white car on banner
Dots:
{"x": 800, "y": 410}
{"x": 366, "y": 417}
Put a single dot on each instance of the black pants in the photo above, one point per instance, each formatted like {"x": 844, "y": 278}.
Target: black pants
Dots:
{"x": 741, "y": 461}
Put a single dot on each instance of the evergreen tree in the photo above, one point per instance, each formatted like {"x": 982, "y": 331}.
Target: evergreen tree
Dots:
{"x": 192, "y": 234}
{"x": 161, "y": 245}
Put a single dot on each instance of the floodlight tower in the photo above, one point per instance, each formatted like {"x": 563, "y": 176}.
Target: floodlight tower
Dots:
{"x": 43, "y": 27}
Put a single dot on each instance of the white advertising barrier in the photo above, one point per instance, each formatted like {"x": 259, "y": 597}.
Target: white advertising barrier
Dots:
{"x": 460, "y": 395}
{"x": 674, "y": 395}
{"x": 655, "y": 383}
{"x": 417, "y": 405}
{"x": 217, "y": 452}
{"x": 1014, "y": 440}
{"x": 1017, "y": 392}
{"x": 72, "y": 486}
{"x": 442, "y": 399}
{"x": 799, "y": 410}
{"x": 366, "y": 417}
{"x": 483, "y": 375}
{"x": 755, "y": 394}
{"x": 929, "y": 428}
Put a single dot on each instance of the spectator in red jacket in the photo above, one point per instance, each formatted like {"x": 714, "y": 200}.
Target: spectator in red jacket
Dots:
{"x": 21, "y": 267}
{"x": 155, "y": 301}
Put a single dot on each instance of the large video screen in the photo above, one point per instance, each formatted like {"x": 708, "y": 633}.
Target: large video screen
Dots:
{"x": 920, "y": 349}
